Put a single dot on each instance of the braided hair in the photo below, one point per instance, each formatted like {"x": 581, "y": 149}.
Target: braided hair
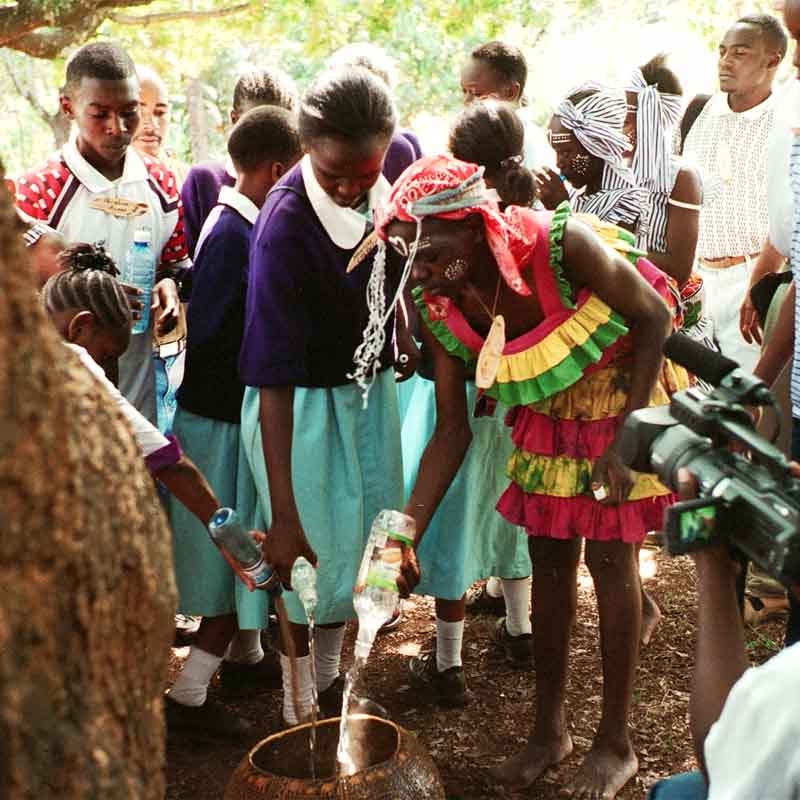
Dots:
{"x": 490, "y": 134}
{"x": 88, "y": 282}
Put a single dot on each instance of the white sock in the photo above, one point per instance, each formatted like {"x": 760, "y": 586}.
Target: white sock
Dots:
{"x": 518, "y": 597}
{"x": 327, "y": 655}
{"x": 304, "y": 689}
{"x": 494, "y": 587}
{"x": 245, "y": 647}
{"x": 191, "y": 685}
{"x": 449, "y": 636}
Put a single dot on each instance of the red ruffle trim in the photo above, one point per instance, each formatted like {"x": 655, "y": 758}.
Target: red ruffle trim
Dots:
{"x": 575, "y": 438}
{"x": 584, "y": 517}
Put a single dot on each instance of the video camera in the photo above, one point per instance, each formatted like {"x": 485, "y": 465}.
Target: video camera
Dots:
{"x": 746, "y": 496}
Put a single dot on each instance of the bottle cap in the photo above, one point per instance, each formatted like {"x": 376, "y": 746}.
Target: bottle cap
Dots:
{"x": 141, "y": 236}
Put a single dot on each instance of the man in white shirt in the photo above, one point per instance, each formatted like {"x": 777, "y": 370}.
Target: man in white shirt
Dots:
{"x": 98, "y": 189}
{"x": 745, "y": 721}
{"x": 728, "y": 145}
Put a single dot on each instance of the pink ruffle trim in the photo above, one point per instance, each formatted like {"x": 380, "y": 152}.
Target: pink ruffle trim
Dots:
{"x": 573, "y": 517}
{"x": 575, "y": 438}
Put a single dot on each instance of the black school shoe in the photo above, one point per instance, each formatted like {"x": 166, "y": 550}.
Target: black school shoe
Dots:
{"x": 448, "y": 688}
{"x": 518, "y": 650}
{"x": 330, "y": 703}
{"x": 210, "y": 722}
{"x": 479, "y": 601}
{"x": 245, "y": 680}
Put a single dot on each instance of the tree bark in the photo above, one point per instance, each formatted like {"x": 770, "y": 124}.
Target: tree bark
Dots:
{"x": 198, "y": 119}
{"x": 85, "y": 568}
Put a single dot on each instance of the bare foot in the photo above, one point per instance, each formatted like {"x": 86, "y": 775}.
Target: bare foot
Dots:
{"x": 603, "y": 773}
{"x": 651, "y": 616}
{"x": 523, "y": 768}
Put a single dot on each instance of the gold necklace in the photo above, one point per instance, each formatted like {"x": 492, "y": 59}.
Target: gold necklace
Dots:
{"x": 492, "y": 351}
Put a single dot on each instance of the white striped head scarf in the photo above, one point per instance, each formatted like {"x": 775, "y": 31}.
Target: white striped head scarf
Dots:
{"x": 596, "y": 121}
{"x": 656, "y": 116}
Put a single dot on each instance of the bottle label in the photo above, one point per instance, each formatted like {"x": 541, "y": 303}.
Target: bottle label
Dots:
{"x": 383, "y": 571}
{"x": 259, "y": 573}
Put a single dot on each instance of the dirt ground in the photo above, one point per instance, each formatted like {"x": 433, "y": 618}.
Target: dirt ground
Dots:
{"x": 465, "y": 742}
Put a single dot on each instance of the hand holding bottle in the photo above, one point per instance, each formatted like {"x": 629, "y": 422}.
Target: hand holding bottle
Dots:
{"x": 284, "y": 544}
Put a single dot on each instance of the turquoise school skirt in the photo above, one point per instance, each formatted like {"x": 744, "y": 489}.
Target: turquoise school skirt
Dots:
{"x": 206, "y": 585}
{"x": 346, "y": 467}
{"x": 467, "y": 539}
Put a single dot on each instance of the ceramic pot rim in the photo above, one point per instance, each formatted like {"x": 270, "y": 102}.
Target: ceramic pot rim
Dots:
{"x": 329, "y": 721}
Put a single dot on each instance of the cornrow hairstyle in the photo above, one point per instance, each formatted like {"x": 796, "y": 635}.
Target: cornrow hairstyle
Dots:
{"x": 101, "y": 60}
{"x": 504, "y": 59}
{"x": 88, "y": 283}
{"x": 771, "y": 31}
{"x": 264, "y": 87}
{"x": 656, "y": 73}
{"x": 347, "y": 103}
{"x": 266, "y": 133}
{"x": 491, "y": 134}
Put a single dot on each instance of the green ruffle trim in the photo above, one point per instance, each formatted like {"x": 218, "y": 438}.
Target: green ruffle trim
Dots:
{"x": 442, "y": 333}
{"x": 565, "y": 373}
{"x": 556, "y": 238}
{"x": 533, "y": 390}
{"x": 634, "y": 254}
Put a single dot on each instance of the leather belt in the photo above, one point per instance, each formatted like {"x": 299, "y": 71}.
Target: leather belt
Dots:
{"x": 727, "y": 261}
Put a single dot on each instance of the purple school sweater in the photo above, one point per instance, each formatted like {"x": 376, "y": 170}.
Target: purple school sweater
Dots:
{"x": 304, "y": 315}
{"x": 201, "y": 188}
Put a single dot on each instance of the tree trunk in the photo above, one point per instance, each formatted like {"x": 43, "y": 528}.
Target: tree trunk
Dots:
{"x": 198, "y": 119}
{"x": 60, "y": 125}
{"x": 85, "y": 568}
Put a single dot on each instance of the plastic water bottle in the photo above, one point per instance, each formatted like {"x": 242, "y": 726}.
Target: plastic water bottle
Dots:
{"x": 229, "y": 535}
{"x": 139, "y": 270}
{"x": 304, "y": 582}
{"x": 376, "y": 596}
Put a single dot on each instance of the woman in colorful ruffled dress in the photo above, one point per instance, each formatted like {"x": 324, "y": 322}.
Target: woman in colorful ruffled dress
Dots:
{"x": 560, "y": 328}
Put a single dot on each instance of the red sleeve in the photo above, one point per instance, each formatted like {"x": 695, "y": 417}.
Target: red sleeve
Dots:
{"x": 175, "y": 250}
{"x": 39, "y": 190}
{"x": 164, "y": 183}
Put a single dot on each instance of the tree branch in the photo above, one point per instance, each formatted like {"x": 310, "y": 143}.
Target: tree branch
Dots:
{"x": 172, "y": 16}
{"x": 43, "y": 29}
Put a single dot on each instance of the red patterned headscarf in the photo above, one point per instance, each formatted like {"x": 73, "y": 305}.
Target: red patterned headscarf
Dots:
{"x": 443, "y": 187}
{"x": 446, "y": 188}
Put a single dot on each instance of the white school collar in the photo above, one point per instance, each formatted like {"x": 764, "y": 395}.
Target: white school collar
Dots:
{"x": 345, "y": 226}
{"x": 228, "y": 196}
{"x": 133, "y": 170}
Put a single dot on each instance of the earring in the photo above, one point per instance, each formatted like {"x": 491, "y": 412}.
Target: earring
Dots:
{"x": 455, "y": 270}
{"x": 399, "y": 245}
{"x": 580, "y": 163}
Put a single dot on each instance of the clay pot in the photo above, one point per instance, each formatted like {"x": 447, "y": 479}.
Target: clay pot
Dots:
{"x": 391, "y": 764}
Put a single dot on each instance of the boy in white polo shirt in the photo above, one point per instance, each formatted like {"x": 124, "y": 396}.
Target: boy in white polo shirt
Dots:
{"x": 98, "y": 189}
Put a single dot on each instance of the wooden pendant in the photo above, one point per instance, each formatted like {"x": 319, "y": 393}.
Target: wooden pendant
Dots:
{"x": 119, "y": 207}
{"x": 491, "y": 353}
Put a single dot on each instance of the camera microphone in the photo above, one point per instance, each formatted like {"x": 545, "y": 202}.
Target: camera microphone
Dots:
{"x": 717, "y": 370}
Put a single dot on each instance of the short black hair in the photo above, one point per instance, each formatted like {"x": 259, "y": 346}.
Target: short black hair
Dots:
{"x": 505, "y": 59}
{"x": 347, "y": 103}
{"x": 491, "y": 135}
{"x": 101, "y": 60}
{"x": 657, "y": 73}
{"x": 265, "y": 87}
{"x": 771, "y": 31}
{"x": 265, "y": 133}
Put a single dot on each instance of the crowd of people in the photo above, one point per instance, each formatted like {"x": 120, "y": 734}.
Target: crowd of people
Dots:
{"x": 342, "y": 323}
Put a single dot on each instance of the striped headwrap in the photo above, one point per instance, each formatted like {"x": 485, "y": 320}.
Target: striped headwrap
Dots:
{"x": 656, "y": 116}
{"x": 596, "y": 122}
